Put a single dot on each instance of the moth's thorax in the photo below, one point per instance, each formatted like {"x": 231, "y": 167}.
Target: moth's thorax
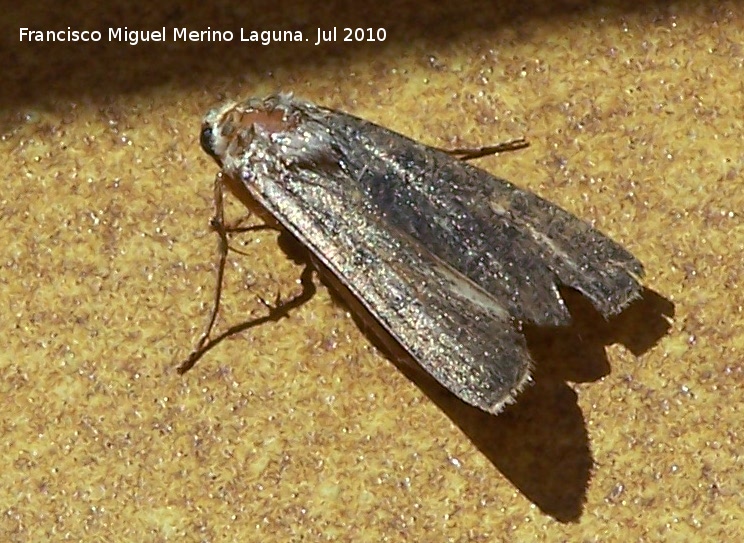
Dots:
{"x": 233, "y": 133}
{"x": 265, "y": 136}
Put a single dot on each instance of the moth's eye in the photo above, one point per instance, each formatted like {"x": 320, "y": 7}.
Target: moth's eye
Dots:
{"x": 207, "y": 141}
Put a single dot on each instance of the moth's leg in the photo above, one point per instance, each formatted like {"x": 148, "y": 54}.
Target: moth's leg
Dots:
{"x": 236, "y": 226}
{"x": 280, "y": 308}
{"x": 466, "y": 153}
{"x": 244, "y": 229}
{"x": 218, "y": 225}
{"x": 276, "y": 311}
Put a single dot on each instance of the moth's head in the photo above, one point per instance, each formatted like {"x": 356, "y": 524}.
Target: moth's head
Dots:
{"x": 230, "y": 129}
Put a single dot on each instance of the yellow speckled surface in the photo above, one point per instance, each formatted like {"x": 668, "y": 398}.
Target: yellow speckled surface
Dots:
{"x": 300, "y": 429}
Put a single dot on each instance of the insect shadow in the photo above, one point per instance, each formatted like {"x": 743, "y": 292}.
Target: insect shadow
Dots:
{"x": 540, "y": 443}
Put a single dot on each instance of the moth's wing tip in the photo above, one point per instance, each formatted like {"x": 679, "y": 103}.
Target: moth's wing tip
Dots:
{"x": 633, "y": 272}
{"x": 498, "y": 406}
{"x": 504, "y": 384}
{"x": 613, "y": 286}
{"x": 634, "y": 268}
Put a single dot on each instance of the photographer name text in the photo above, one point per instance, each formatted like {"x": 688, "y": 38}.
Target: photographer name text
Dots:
{"x": 264, "y": 37}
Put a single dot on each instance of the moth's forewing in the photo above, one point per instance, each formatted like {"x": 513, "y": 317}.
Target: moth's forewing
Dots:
{"x": 515, "y": 245}
{"x": 446, "y": 257}
{"x": 457, "y": 332}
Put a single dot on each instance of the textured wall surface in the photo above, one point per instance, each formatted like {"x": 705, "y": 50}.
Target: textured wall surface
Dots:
{"x": 301, "y": 429}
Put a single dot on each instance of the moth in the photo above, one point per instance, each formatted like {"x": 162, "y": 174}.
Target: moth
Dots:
{"x": 448, "y": 259}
